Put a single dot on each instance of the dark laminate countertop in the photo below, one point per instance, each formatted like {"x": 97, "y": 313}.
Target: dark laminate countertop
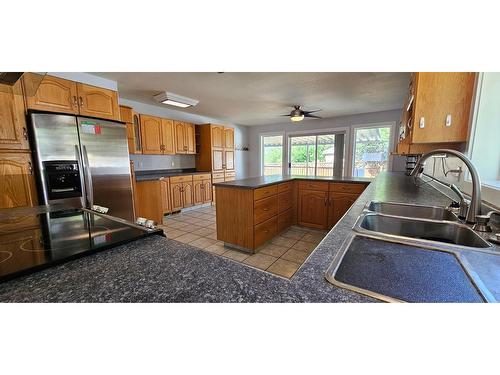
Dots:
{"x": 257, "y": 182}
{"x": 157, "y": 174}
{"x": 156, "y": 269}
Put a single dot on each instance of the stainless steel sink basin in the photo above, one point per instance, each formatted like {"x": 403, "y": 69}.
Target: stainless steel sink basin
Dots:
{"x": 412, "y": 210}
{"x": 428, "y": 230}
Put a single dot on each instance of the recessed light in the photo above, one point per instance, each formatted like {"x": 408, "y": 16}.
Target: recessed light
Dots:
{"x": 175, "y": 100}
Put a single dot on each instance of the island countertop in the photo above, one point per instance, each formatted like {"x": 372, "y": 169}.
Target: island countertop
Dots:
{"x": 258, "y": 182}
{"x": 157, "y": 269}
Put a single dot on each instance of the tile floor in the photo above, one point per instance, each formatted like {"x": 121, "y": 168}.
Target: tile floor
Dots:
{"x": 283, "y": 255}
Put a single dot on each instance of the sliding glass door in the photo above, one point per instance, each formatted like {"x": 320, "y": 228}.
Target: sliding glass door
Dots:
{"x": 272, "y": 155}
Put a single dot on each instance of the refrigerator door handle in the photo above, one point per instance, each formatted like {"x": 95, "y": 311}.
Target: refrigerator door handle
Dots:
{"x": 82, "y": 179}
{"x": 90, "y": 189}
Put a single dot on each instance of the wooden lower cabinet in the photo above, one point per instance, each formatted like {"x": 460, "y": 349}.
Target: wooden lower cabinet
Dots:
{"x": 187, "y": 194}
{"x": 17, "y": 187}
{"x": 285, "y": 220}
{"x": 265, "y": 231}
{"x": 313, "y": 208}
{"x": 207, "y": 191}
{"x": 28, "y": 239}
{"x": 176, "y": 196}
{"x": 165, "y": 195}
{"x": 149, "y": 200}
{"x": 198, "y": 194}
{"x": 339, "y": 204}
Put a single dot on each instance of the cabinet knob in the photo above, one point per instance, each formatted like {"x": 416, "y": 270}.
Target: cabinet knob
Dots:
{"x": 25, "y": 133}
{"x": 30, "y": 167}
{"x": 81, "y": 101}
{"x": 421, "y": 123}
{"x": 75, "y": 101}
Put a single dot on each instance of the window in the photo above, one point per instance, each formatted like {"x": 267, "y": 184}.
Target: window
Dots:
{"x": 316, "y": 155}
{"x": 272, "y": 154}
{"x": 371, "y": 150}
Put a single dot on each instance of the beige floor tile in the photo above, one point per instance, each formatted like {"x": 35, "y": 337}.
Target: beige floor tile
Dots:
{"x": 204, "y": 232}
{"x": 212, "y": 235}
{"x": 283, "y": 241}
{"x": 187, "y": 238}
{"x": 293, "y": 233}
{"x": 304, "y": 246}
{"x": 200, "y": 222}
{"x": 174, "y": 224}
{"x": 284, "y": 268}
{"x": 236, "y": 255}
{"x": 173, "y": 233}
{"x": 212, "y": 226}
{"x": 296, "y": 256}
{"x": 203, "y": 242}
{"x": 273, "y": 250}
{"x": 217, "y": 248}
{"x": 261, "y": 261}
{"x": 313, "y": 237}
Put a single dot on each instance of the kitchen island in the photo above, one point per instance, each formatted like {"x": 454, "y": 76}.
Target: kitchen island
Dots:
{"x": 157, "y": 269}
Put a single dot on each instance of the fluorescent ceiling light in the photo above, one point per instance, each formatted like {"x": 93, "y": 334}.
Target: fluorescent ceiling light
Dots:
{"x": 175, "y": 100}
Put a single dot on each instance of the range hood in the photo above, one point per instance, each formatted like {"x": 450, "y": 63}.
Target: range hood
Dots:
{"x": 10, "y": 82}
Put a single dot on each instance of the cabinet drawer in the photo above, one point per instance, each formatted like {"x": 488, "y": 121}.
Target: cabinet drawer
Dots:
{"x": 177, "y": 179}
{"x": 285, "y": 220}
{"x": 217, "y": 180}
{"x": 264, "y": 209}
{"x": 265, "y": 192}
{"x": 313, "y": 185}
{"x": 230, "y": 174}
{"x": 285, "y": 201}
{"x": 346, "y": 187}
{"x": 265, "y": 231}
{"x": 285, "y": 186}
{"x": 200, "y": 177}
{"x": 218, "y": 175}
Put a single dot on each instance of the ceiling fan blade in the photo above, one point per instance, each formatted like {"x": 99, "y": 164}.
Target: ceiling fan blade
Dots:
{"x": 307, "y": 112}
{"x": 286, "y": 115}
{"x": 311, "y": 116}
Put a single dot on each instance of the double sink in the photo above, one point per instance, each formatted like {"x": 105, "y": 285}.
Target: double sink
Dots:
{"x": 414, "y": 253}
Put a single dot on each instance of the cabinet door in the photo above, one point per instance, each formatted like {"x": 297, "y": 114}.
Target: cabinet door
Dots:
{"x": 198, "y": 193}
{"x": 217, "y": 160}
{"x": 126, "y": 113}
{"x": 180, "y": 137}
{"x": 31, "y": 241}
{"x": 229, "y": 138}
{"x": 167, "y": 136}
{"x": 13, "y": 133}
{"x": 136, "y": 123}
{"x": 229, "y": 160}
{"x": 151, "y": 134}
{"x": 339, "y": 203}
{"x": 176, "y": 196}
{"x": 98, "y": 102}
{"x": 55, "y": 95}
{"x": 165, "y": 195}
{"x": 313, "y": 208}
{"x": 439, "y": 95}
{"x": 17, "y": 188}
{"x": 207, "y": 191}
{"x": 187, "y": 194}
{"x": 130, "y": 138}
{"x": 190, "y": 140}
{"x": 217, "y": 136}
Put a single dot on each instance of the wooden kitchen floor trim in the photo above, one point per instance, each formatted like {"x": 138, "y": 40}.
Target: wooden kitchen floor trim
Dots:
{"x": 282, "y": 255}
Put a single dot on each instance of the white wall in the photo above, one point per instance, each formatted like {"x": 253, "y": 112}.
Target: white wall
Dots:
{"x": 313, "y": 125}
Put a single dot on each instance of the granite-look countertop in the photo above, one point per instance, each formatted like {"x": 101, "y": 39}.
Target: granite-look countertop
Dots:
{"x": 157, "y": 269}
{"x": 157, "y": 174}
{"x": 257, "y": 182}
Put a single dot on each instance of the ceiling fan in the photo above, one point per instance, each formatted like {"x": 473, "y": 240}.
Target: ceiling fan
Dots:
{"x": 297, "y": 114}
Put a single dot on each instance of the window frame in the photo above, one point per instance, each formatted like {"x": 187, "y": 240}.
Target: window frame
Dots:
{"x": 261, "y": 153}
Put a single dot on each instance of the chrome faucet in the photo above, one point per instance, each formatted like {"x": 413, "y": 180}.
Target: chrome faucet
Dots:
{"x": 475, "y": 204}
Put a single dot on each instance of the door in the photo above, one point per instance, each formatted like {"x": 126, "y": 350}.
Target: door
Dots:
{"x": 151, "y": 134}
{"x": 180, "y": 138}
{"x": 229, "y": 138}
{"x": 229, "y": 160}
{"x": 18, "y": 185}
{"x": 198, "y": 193}
{"x": 176, "y": 196}
{"x": 98, "y": 102}
{"x": 55, "y": 95}
{"x": 313, "y": 208}
{"x": 190, "y": 141}
{"x": 167, "y": 136}
{"x": 207, "y": 191}
{"x": 106, "y": 166}
{"x": 13, "y": 133}
{"x": 217, "y": 136}
{"x": 165, "y": 195}
{"x": 339, "y": 204}
{"x": 187, "y": 194}
{"x": 217, "y": 160}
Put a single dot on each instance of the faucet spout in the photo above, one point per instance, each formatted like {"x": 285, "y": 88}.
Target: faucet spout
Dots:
{"x": 475, "y": 205}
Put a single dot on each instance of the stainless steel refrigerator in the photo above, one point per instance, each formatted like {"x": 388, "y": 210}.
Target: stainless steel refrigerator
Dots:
{"x": 82, "y": 162}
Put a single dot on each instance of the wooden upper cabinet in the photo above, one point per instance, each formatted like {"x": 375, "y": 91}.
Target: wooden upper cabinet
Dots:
{"x": 98, "y": 102}
{"x": 217, "y": 160}
{"x": 126, "y": 113}
{"x": 13, "y": 133}
{"x": 18, "y": 185}
{"x": 229, "y": 160}
{"x": 229, "y": 138}
{"x": 151, "y": 134}
{"x": 217, "y": 136}
{"x": 313, "y": 208}
{"x": 179, "y": 132}
{"x": 167, "y": 136}
{"x": 56, "y": 95}
{"x": 190, "y": 140}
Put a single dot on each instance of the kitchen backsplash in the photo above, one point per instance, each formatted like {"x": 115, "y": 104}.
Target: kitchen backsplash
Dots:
{"x": 151, "y": 162}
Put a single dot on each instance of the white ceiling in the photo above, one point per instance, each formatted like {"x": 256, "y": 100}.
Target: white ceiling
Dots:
{"x": 260, "y": 98}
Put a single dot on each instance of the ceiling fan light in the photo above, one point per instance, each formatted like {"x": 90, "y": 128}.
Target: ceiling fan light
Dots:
{"x": 296, "y": 118}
